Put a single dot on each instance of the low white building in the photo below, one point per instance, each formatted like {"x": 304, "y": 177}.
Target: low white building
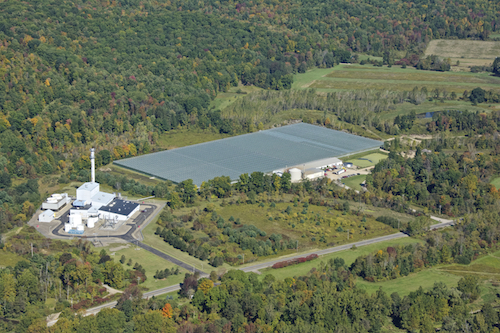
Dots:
{"x": 46, "y": 216}
{"x": 56, "y": 201}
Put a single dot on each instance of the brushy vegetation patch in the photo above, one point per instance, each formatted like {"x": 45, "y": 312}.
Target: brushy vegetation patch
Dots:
{"x": 311, "y": 225}
{"x": 368, "y": 160}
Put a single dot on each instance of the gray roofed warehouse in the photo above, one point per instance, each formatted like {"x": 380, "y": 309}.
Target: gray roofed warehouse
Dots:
{"x": 264, "y": 151}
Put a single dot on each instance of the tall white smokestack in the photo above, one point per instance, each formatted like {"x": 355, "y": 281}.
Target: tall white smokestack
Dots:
{"x": 92, "y": 163}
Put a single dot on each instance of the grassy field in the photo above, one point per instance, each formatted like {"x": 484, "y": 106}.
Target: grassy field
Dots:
{"x": 224, "y": 99}
{"x": 354, "y": 182}
{"x": 468, "y": 52}
{"x": 357, "y": 77}
{"x": 150, "y": 262}
{"x": 407, "y": 284}
{"x": 349, "y": 257}
{"x": 184, "y": 137}
{"x": 496, "y": 182}
{"x": 368, "y": 160}
{"x": 303, "y": 81}
{"x": 9, "y": 259}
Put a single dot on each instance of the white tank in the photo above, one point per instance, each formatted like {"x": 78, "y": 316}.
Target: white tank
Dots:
{"x": 296, "y": 174}
{"x": 57, "y": 196}
{"x": 52, "y": 200}
{"x": 91, "y": 222}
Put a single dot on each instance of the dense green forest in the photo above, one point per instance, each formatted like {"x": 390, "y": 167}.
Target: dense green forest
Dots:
{"x": 120, "y": 74}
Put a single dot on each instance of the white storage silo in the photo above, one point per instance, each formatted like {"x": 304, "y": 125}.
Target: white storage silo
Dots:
{"x": 91, "y": 221}
{"x": 296, "y": 174}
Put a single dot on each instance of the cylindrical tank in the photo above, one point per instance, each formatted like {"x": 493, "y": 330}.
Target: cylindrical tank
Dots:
{"x": 296, "y": 174}
{"x": 91, "y": 222}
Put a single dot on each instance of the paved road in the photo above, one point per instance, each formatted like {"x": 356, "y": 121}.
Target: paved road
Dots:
{"x": 327, "y": 251}
{"x": 263, "y": 265}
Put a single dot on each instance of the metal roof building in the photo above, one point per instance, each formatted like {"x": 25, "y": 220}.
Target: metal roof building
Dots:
{"x": 264, "y": 151}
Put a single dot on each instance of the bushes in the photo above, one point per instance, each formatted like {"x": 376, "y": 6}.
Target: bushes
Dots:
{"x": 390, "y": 221}
{"x": 295, "y": 261}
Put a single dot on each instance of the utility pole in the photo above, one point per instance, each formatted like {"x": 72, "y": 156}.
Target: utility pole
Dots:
{"x": 297, "y": 245}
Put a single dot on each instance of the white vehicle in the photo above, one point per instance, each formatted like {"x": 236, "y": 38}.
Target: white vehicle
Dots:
{"x": 338, "y": 172}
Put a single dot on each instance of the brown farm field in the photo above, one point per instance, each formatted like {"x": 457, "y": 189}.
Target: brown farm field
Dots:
{"x": 468, "y": 52}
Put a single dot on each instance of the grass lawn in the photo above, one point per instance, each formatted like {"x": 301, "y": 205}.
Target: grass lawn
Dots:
{"x": 9, "y": 259}
{"x": 349, "y": 257}
{"x": 354, "y": 182}
{"x": 407, "y": 284}
{"x": 302, "y": 81}
{"x": 496, "y": 182}
{"x": 368, "y": 160}
{"x": 151, "y": 264}
{"x": 225, "y": 99}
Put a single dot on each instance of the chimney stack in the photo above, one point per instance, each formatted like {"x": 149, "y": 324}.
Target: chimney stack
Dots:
{"x": 92, "y": 163}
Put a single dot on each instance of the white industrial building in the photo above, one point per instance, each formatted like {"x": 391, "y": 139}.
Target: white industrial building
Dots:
{"x": 46, "y": 216}
{"x": 90, "y": 205}
{"x": 56, "y": 201}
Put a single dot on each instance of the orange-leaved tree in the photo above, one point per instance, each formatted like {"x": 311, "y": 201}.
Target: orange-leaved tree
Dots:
{"x": 167, "y": 311}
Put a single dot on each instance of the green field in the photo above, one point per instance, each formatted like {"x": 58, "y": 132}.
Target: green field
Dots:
{"x": 368, "y": 160}
{"x": 407, "y": 284}
{"x": 354, "y": 182}
{"x": 496, "y": 182}
{"x": 184, "y": 137}
{"x": 9, "y": 258}
{"x": 349, "y": 257}
{"x": 150, "y": 262}
{"x": 357, "y": 77}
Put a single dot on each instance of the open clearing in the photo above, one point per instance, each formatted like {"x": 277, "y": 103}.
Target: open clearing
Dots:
{"x": 368, "y": 160}
{"x": 405, "y": 285}
{"x": 354, "y": 182}
{"x": 9, "y": 259}
{"x": 150, "y": 262}
{"x": 496, "y": 182}
{"x": 468, "y": 49}
{"x": 356, "y": 77}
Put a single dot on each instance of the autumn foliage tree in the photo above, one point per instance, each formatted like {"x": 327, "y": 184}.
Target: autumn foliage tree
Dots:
{"x": 167, "y": 311}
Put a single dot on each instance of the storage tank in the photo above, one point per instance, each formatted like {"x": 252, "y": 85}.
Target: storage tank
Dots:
{"x": 296, "y": 174}
{"x": 91, "y": 222}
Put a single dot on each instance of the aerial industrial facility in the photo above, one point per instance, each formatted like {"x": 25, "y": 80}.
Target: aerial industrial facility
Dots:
{"x": 90, "y": 206}
{"x": 307, "y": 148}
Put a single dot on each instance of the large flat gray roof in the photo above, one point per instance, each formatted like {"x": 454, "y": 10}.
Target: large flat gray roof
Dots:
{"x": 263, "y": 151}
